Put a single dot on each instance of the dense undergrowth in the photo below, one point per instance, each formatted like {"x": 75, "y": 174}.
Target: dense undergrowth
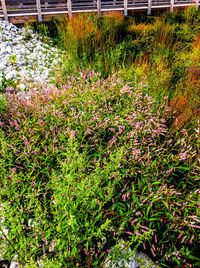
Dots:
{"x": 109, "y": 157}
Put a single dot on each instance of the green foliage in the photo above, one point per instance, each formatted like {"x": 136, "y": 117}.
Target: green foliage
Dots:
{"x": 13, "y": 59}
{"x": 47, "y": 30}
{"x": 2, "y": 104}
{"x": 95, "y": 159}
{"x": 1, "y": 33}
{"x": 105, "y": 163}
{"x": 5, "y": 84}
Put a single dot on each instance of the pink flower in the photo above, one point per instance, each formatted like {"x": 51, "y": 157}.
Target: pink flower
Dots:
{"x": 155, "y": 238}
{"x": 129, "y": 233}
{"x": 153, "y": 252}
{"x": 43, "y": 249}
{"x": 138, "y": 213}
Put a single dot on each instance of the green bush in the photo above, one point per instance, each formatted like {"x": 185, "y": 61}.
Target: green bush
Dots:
{"x": 96, "y": 159}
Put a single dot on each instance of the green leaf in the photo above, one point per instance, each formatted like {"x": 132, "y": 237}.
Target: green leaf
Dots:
{"x": 87, "y": 245}
{"x": 193, "y": 258}
{"x": 154, "y": 219}
{"x": 165, "y": 203}
{"x": 148, "y": 209}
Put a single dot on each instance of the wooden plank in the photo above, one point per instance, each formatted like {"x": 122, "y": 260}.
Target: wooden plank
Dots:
{"x": 111, "y": 4}
{"x": 69, "y": 7}
{"x": 183, "y": 5}
{"x": 83, "y": 1}
{"x": 53, "y": 1}
{"x": 62, "y": 10}
{"x": 99, "y": 8}
{"x": 21, "y": 12}
{"x": 18, "y": 7}
{"x": 171, "y": 6}
{"x": 125, "y": 7}
{"x": 53, "y": 5}
{"x": 39, "y": 10}
{"x": 19, "y": 20}
{"x": 104, "y": 3}
{"x": 3, "y": 4}
{"x": 82, "y": 5}
{"x": 111, "y": 9}
{"x": 10, "y": 2}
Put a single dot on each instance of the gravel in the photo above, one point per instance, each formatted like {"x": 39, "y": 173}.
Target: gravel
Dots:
{"x": 24, "y": 57}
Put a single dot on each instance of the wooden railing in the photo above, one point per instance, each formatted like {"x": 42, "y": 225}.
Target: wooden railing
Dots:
{"x": 40, "y": 8}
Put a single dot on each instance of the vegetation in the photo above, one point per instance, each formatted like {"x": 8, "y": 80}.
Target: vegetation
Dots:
{"x": 108, "y": 157}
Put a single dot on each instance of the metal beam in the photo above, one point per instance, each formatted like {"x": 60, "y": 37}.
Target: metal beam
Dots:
{"x": 3, "y": 4}
{"x": 69, "y": 7}
{"x": 149, "y": 7}
{"x": 171, "y": 6}
{"x": 99, "y": 8}
{"x": 125, "y": 7}
{"x": 197, "y": 4}
{"x": 38, "y": 4}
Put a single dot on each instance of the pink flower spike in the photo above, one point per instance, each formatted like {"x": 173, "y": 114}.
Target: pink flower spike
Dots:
{"x": 43, "y": 249}
{"x": 129, "y": 233}
{"x": 153, "y": 252}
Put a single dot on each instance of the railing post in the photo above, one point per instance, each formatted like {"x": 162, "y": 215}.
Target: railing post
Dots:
{"x": 171, "y": 6}
{"x": 69, "y": 7}
{"x": 197, "y": 4}
{"x": 39, "y": 10}
{"x": 3, "y": 4}
{"x": 99, "y": 8}
{"x": 149, "y": 7}
{"x": 125, "y": 7}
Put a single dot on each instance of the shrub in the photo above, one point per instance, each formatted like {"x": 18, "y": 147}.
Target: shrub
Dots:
{"x": 96, "y": 159}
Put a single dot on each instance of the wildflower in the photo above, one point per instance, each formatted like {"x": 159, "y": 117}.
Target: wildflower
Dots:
{"x": 129, "y": 233}
{"x": 144, "y": 227}
{"x": 138, "y": 214}
{"x": 153, "y": 252}
{"x": 155, "y": 238}
{"x": 183, "y": 240}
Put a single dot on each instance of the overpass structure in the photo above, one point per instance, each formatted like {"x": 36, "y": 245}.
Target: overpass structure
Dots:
{"x": 21, "y": 11}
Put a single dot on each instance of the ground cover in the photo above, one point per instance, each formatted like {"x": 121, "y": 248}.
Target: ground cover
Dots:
{"x": 108, "y": 157}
